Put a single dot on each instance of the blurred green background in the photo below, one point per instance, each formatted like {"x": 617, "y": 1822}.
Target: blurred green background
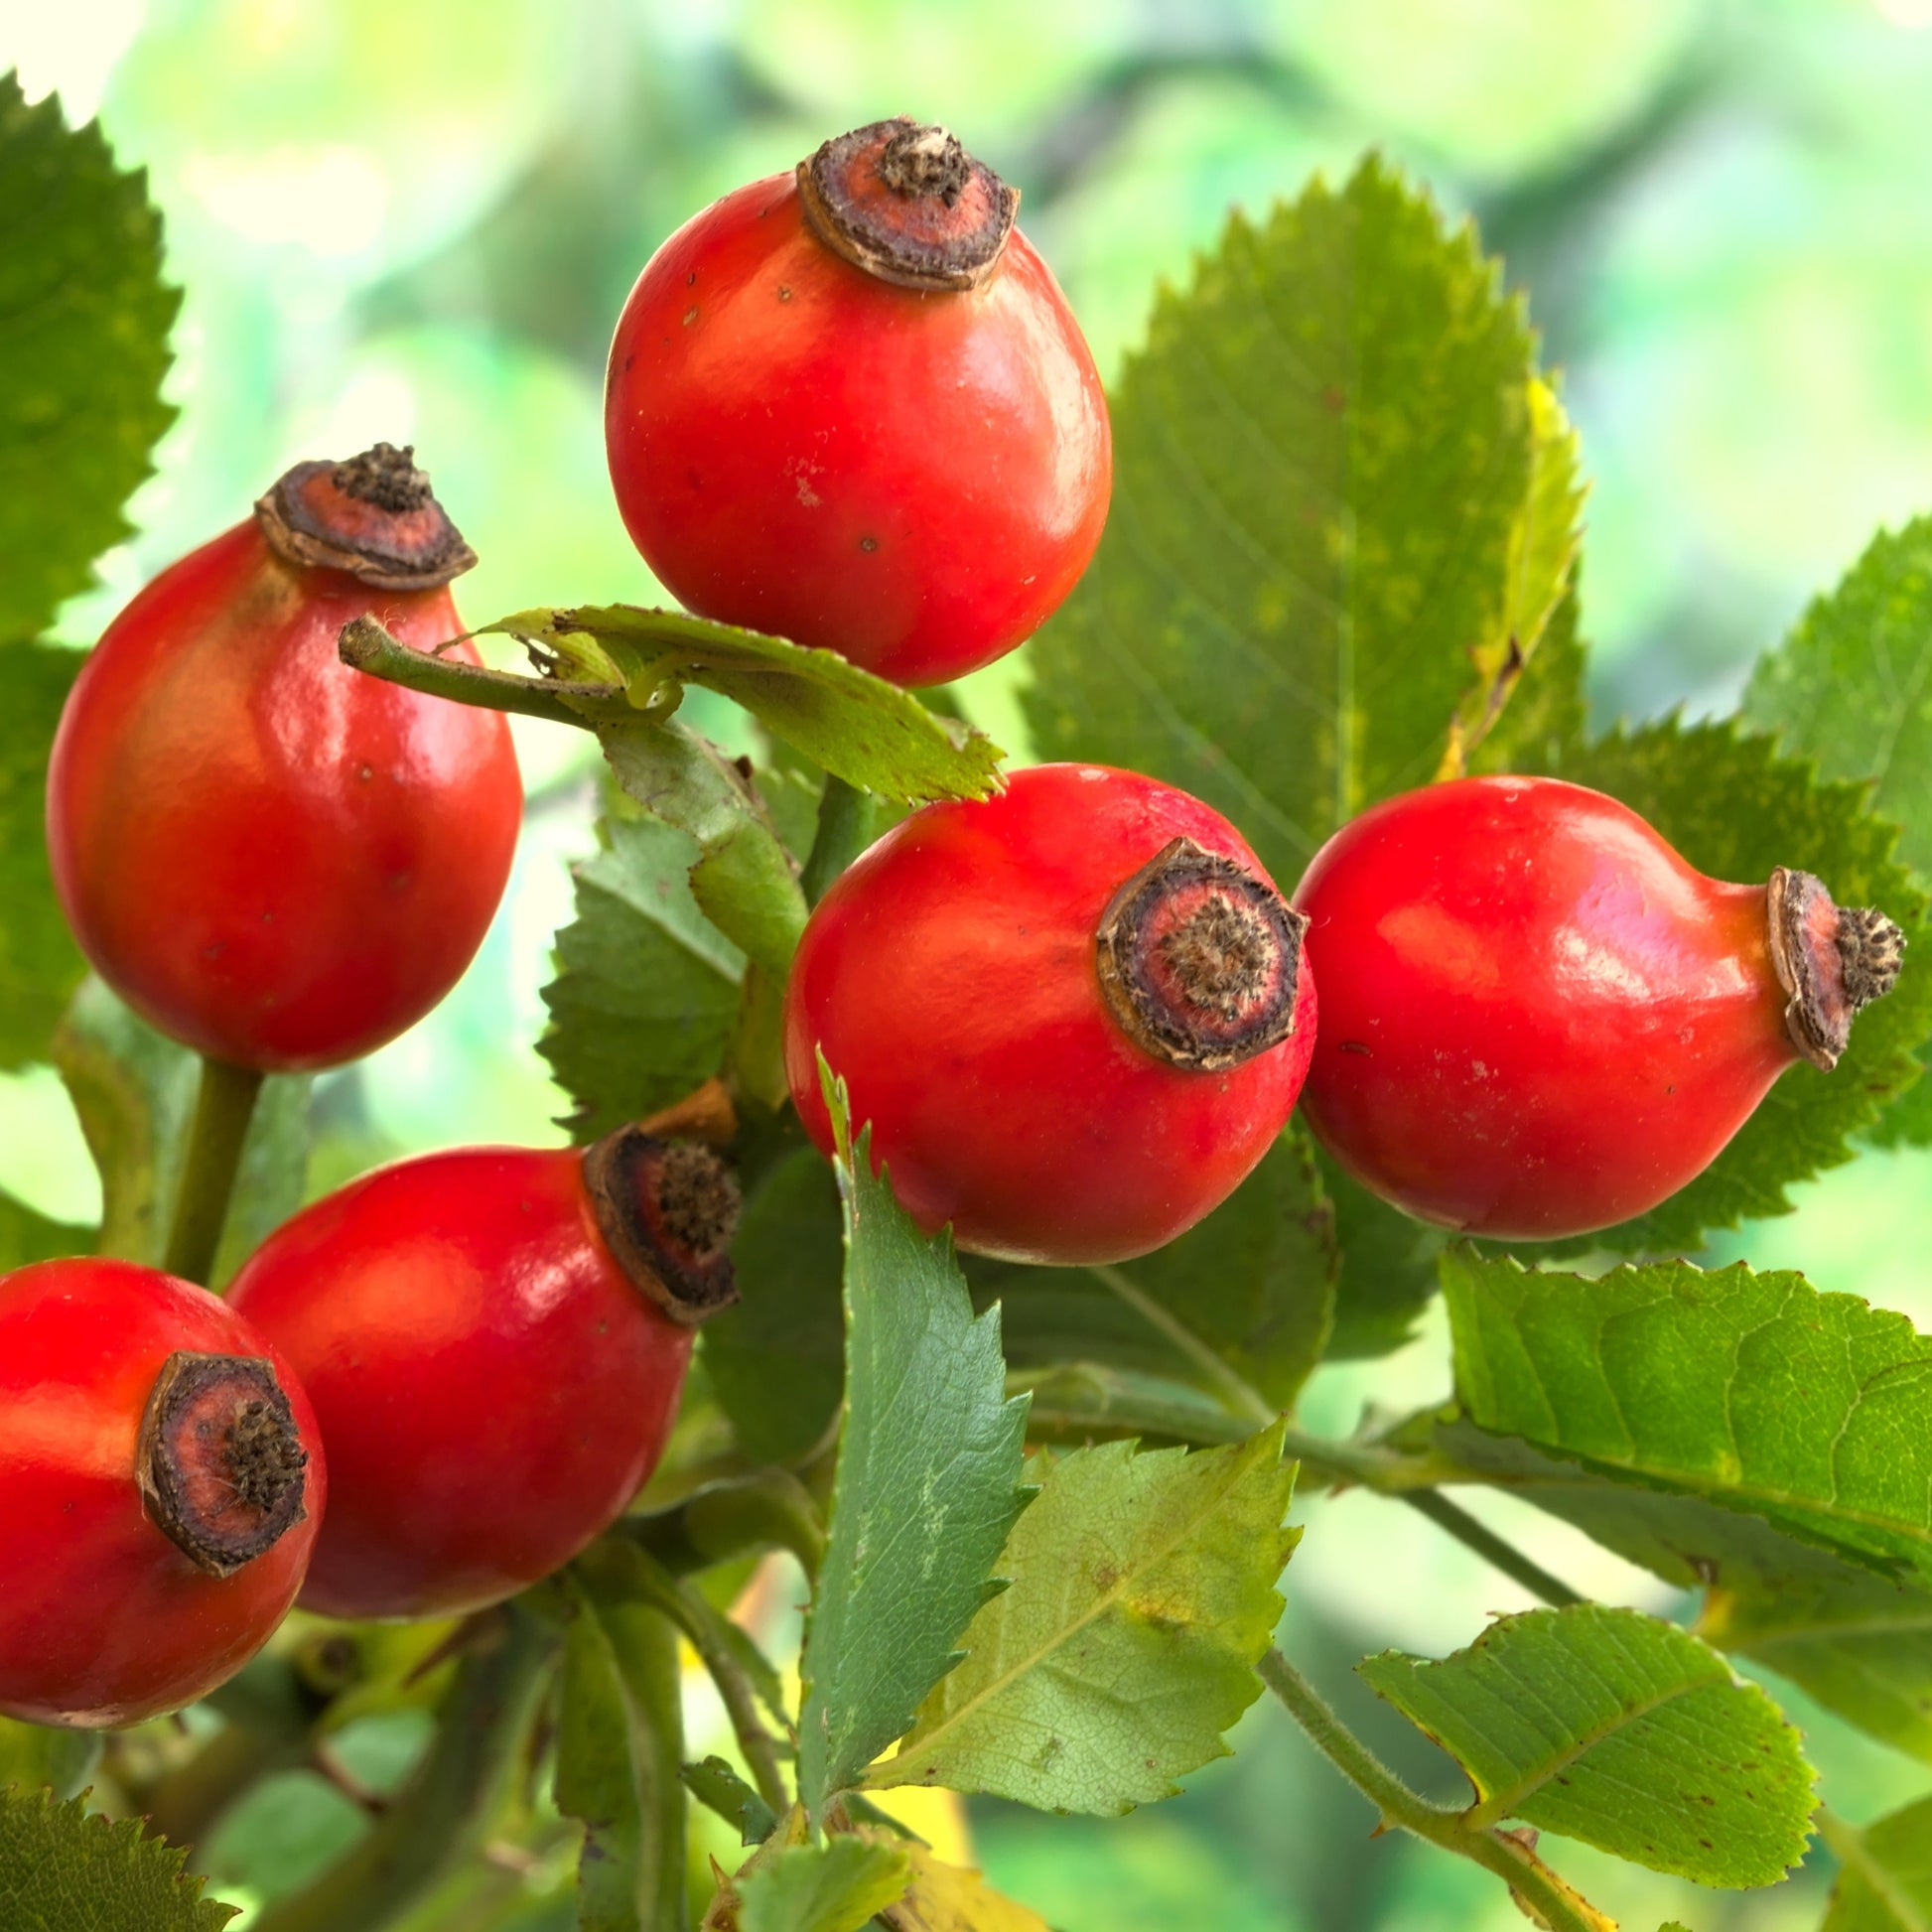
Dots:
{"x": 417, "y": 218}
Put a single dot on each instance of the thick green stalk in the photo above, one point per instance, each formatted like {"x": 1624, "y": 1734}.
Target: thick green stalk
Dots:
{"x": 366, "y": 646}
{"x": 1505, "y": 1556}
{"x": 1561, "y": 1909}
{"x": 445, "y": 1813}
{"x": 224, "y": 1104}
{"x": 843, "y": 831}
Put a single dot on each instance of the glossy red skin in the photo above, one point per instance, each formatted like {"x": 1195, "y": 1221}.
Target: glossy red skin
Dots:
{"x": 950, "y": 979}
{"x": 275, "y": 859}
{"x": 771, "y": 409}
{"x": 493, "y": 1388}
{"x": 1537, "y": 1019}
{"x": 102, "y": 1619}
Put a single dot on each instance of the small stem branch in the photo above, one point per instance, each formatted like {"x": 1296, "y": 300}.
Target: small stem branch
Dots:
{"x": 1559, "y": 1908}
{"x": 771, "y": 1510}
{"x": 1236, "y": 1391}
{"x": 223, "y": 1106}
{"x": 843, "y": 831}
{"x": 1467, "y": 1530}
{"x": 445, "y": 1813}
{"x": 366, "y": 646}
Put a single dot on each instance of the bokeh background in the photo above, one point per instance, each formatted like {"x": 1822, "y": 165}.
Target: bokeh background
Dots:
{"x": 417, "y": 218}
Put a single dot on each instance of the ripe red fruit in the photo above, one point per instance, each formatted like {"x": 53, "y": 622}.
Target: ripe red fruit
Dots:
{"x": 1075, "y": 1013}
{"x": 271, "y": 857}
{"x": 1538, "y": 1019}
{"x": 495, "y": 1340}
{"x": 853, "y": 408}
{"x": 161, "y": 1486}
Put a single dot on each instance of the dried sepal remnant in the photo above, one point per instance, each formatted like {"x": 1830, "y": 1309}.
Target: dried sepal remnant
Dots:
{"x": 668, "y": 1210}
{"x": 1830, "y": 959}
{"x": 375, "y": 516}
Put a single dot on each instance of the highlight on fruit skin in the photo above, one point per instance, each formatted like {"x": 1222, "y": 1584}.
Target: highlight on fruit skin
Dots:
{"x": 1538, "y": 1019}
{"x": 1075, "y": 1013}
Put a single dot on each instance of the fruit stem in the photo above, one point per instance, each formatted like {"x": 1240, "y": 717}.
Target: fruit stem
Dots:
{"x": 843, "y": 831}
{"x": 224, "y": 1104}
{"x": 364, "y": 646}
{"x": 445, "y": 1813}
{"x": 1534, "y": 1884}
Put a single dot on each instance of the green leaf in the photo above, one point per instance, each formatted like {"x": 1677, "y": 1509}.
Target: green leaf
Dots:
{"x": 927, "y": 1483}
{"x": 1545, "y": 725}
{"x": 646, "y": 987}
{"x": 1142, "y": 1592}
{"x": 719, "y": 1788}
{"x": 40, "y": 965}
{"x": 84, "y": 347}
{"x": 1751, "y": 1392}
{"x": 947, "y": 1897}
{"x": 32, "y": 1756}
{"x": 25, "y": 1235}
{"x": 831, "y": 1887}
{"x": 777, "y": 1356}
{"x": 1238, "y": 1305}
{"x": 134, "y": 1091}
{"x": 62, "y": 1870}
{"x": 618, "y": 1752}
{"x": 1734, "y": 808}
{"x": 1885, "y": 1880}
{"x": 744, "y": 880}
{"x": 1610, "y": 1726}
{"x": 1387, "y": 1275}
{"x": 855, "y": 726}
{"x": 1322, "y": 476}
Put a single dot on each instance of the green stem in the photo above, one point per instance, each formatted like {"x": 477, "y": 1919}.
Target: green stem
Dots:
{"x": 446, "y": 1812}
{"x": 723, "y": 1520}
{"x": 1240, "y": 1395}
{"x": 843, "y": 831}
{"x": 1489, "y": 1545}
{"x": 366, "y": 646}
{"x": 1396, "y": 1806}
{"x": 223, "y": 1106}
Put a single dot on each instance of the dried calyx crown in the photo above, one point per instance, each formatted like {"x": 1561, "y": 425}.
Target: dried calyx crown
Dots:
{"x": 1201, "y": 959}
{"x": 905, "y": 202}
{"x": 375, "y": 516}
{"x": 1830, "y": 959}
{"x": 667, "y": 1210}
{"x": 220, "y": 1463}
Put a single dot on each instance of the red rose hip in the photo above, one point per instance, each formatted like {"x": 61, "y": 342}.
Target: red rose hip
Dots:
{"x": 1538, "y": 1019}
{"x": 495, "y": 1340}
{"x": 1076, "y": 1014}
{"x": 852, "y": 407}
{"x": 271, "y": 857}
{"x": 161, "y": 1486}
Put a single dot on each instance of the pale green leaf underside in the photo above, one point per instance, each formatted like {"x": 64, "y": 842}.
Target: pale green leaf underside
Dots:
{"x": 858, "y": 726}
{"x": 1885, "y": 1884}
{"x": 927, "y": 1483}
{"x": 63, "y": 1870}
{"x": 1753, "y": 1391}
{"x": 1142, "y": 1594}
{"x": 832, "y": 1888}
{"x": 1610, "y": 1726}
{"x": 1322, "y": 475}
{"x": 646, "y": 987}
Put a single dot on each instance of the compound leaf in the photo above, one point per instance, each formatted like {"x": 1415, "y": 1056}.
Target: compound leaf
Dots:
{"x": 1885, "y": 1880}
{"x": 1328, "y": 523}
{"x": 1736, "y": 808}
{"x": 1239, "y": 1305}
{"x": 832, "y": 1888}
{"x": 62, "y": 1870}
{"x": 1614, "y": 1727}
{"x": 83, "y": 346}
{"x": 927, "y": 1482}
{"x": 858, "y": 726}
{"x": 646, "y": 987}
{"x": 1142, "y": 1594}
{"x": 1751, "y": 1392}
{"x": 40, "y": 965}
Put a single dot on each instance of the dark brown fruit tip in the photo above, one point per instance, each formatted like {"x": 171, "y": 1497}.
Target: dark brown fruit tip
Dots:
{"x": 375, "y": 516}
{"x": 1199, "y": 959}
{"x": 218, "y": 1461}
{"x": 667, "y": 1210}
{"x": 1830, "y": 959}
{"x": 905, "y": 202}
